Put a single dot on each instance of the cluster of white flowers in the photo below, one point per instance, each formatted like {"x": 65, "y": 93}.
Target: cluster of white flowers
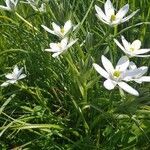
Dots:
{"x": 12, "y": 4}
{"x": 125, "y": 70}
{"x": 109, "y": 17}
{"x": 35, "y": 5}
{"x": 60, "y": 47}
{"x": 14, "y": 76}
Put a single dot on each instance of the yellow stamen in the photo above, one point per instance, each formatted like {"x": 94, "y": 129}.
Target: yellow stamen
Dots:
{"x": 62, "y": 30}
{"x": 116, "y": 74}
{"x": 113, "y": 18}
{"x": 131, "y": 49}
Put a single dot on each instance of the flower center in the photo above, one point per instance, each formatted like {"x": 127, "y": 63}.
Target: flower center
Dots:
{"x": 59, "y": 45}
{"x": 132, "y": 49}
{"x": 116, "y": 74}
{"x": 62, "y": 30}
{"x": 113, "y": 18}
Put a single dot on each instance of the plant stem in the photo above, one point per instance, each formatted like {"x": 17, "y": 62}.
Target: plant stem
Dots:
{"x": 28, "y": 23}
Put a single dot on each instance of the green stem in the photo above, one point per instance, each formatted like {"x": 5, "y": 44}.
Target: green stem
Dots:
{"x": 70, "y": 62}
{"x": 113, "y": 52}
{"x": 115, "y": 30}
{"x": 28, "y": 23}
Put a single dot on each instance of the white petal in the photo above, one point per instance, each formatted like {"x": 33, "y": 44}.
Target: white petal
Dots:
{"x": 128, "y": 88}
{"x": 143, "y": 70}
{"x": 16, "y": 70}
{"x": 72, "y": 42}
{"x": 99, "y": 17}
{"x": 19, "y": 73}
{"x": 64, "y": 43}
{"x": 122, "y": 12}
{"x": 21, "y": 76}
{"x": 56, "y": 28}
{"x": 144, "y": 79}
{"x": 8, "y": 3}
{"x": 109, "y": 84}
{"x": 100, "y": 13}
{"x": 126, "y": 44}
{"x": 42, "y": 8}
{"x": 54, "y": 47}
{"x": 52, "y": 50}
{"x": 4, "y": 84}
{"x": 4, "y": 7}
{"x": 123, "y": 63}
{"x": 136, "y": 44}
{"x": 48, "y": 30}
{"x": 109, "y": 9}
{"x": 11, "y": 4}
{"x": 142, "y": 55}
{"x": 107, "y": 64}
{"x": 11, "y": 81}
{"x": 135, "y": 73}
{"x": 132, "y": 65}
{"x": 56, "y": 54}
{"x": 34, "y": 7}
{"x": 137, "y": 81}
{"x": 16, "y": 2}
{"x": 130, "y": 16}
{"x": 101, "y": 71}
{"x": 9, "y": 76}
{"x": 67, "y": 26}
{"x": 121, "y": 47}
{"x": 142, "y": 51}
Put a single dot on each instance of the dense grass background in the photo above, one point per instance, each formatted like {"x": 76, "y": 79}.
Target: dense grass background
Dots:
{"x": 62, "y": 103}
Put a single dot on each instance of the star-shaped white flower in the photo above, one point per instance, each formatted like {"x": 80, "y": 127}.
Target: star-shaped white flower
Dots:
{"x": 59, "y": 48}
{"x": 57, "y": 30}
{"x": 110, "y": 17}
{"x": 14, "y": 76}
{"x": 139, "y": 75}
{"x": 35, "y": 5}
{"x": 10, "y": 5}
{"x": 115, "y": 76}
{"x": 132, "y": 49}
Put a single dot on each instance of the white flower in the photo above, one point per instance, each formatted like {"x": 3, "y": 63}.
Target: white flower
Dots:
{"x": 14, "y": 76}
{"x": 61, "y": 47}
{"x": 35, "y": 5}
{"x": 57, "y": 30}
{"x": 115, "y": 76}
{"x": 138, "y": 75}
{"x": 132, "y": 49}
{"x": 109, "y": 17}
{"x": 10, "y": 5}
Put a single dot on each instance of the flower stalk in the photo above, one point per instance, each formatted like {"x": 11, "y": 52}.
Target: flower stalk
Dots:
{"x": 28, "y": 23}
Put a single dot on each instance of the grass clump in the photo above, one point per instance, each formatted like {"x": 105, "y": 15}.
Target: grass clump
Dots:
{"x": 62, "y": 103}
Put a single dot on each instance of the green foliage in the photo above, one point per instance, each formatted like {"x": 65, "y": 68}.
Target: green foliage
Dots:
{"x": 62, "y": 104}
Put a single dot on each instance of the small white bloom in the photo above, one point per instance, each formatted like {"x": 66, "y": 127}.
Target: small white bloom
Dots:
{"x": 132, "y": 49}
{"x": 14, "y": 76}
{"x": 10, "y": 5}
{"x": 61, "y": 47}
{"x": 137, "y": 73}
{"x": 109, "y": 17}
{"x": 115, "y": 76}
{"x": 57, "y": 30}
{"x": 35, "y": 5}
